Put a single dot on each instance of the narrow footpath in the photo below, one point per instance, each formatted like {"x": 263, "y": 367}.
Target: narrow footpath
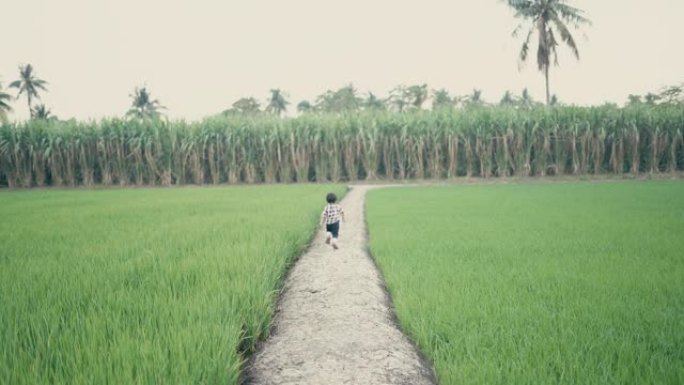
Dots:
{"x": 333, "y": 323}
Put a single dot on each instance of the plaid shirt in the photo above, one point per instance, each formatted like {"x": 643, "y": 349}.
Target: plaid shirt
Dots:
{"x": 332, "y": 213}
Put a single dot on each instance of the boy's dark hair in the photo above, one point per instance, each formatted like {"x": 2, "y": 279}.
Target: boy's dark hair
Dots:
{"x": 331, "y": 198}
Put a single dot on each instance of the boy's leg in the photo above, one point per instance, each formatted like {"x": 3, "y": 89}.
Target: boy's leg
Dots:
{"x": 335, "y": 233}
{"x": 328, "y": 233}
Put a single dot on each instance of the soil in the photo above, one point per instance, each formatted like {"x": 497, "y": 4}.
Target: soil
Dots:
{"x": 334, "y": 321}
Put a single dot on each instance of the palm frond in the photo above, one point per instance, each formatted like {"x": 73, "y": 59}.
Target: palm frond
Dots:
{"x": 38, "y": 83}
{"x": 571, "y": 14}
{"x": 517, "y": 29}
{"x": 4, "y": 106}
{"x": 566, "y": 36}
{"x": 523, "y": 8}
{"x": 526, "y": 46}
{"x": 552, "y": 46}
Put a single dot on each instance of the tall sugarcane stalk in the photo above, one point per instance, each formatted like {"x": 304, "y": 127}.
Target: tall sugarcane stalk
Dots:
{"x": 480, "y": 142}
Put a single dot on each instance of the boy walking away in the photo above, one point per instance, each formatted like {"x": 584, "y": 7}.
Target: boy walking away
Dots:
{"x": 332, "y": 214}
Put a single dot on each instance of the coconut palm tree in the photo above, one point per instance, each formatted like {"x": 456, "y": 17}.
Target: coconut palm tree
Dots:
{"x": 277, "y": 104}
{"x": 346, "y": 99}
{"x": 417, "y": 94}
{"x": 399, "y": 98}
{"x": 474, "y": 99}
{"x": 508, "y": 100}
{"x": 143, "y": 107}
{"x": 526, "y": 100}
{"x": 41, "y": 112}
{"x": 4, "y": 105}
{"x": 554, "y": 101}
{"x": 550, "y": 20}
{"x": 372, "y": 102}
{"x": 29, "y": 84}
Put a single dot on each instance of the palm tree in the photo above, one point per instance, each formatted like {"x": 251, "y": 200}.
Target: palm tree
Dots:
{"x": 4, "y": 106}
{"x": 474, "y": 99}
{"x": 417, "y": 94}
{"x": 143, "y": 107}
{"x": 526, "y": 100}
{"x": 346, "y": 99}
{"x": 399, "y": 98}
{"x": 554, "y": 101}
{"x": 508, "y": 100}
{"x": 373, "y": 103}
{"x": 547, "y": 16}
{"x": 28, "y": 84}
{"x": 41, "y": 112}
{"x": 277, "y": 104}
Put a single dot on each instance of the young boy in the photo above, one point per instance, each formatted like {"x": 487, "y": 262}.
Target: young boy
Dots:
{"x": 332, "y": 214}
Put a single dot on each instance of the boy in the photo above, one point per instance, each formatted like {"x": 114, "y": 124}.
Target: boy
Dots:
{"x": 331, "y": 218}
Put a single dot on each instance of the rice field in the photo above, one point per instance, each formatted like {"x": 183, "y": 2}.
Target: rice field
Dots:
{"x": 573, "y": 283}
{"x": 144, "y": 286}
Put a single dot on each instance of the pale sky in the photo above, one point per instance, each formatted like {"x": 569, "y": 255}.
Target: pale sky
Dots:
{"x": 199, "y": 56}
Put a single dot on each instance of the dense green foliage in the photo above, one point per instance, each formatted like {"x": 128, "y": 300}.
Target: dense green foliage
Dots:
{"x": 144, "y": 286}
{"x": 478, "y": 141}
{"x": 539, "y": 283}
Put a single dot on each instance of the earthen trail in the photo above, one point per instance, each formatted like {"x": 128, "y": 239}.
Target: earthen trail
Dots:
{"x": 333, "y": 323}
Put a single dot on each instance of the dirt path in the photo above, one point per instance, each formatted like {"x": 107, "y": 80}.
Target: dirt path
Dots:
{"x": 333, "y": 324}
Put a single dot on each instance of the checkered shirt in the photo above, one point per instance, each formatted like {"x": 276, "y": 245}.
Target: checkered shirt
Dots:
{"x": 332, "y": 213}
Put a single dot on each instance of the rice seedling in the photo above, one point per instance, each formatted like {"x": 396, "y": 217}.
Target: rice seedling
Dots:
{"x": 573, "y": 283}
{"x": 144, "y": 286}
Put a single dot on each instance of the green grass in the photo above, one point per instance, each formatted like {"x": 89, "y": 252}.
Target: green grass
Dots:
{"x": 147, "y": 286}
{"x": 538, "y": 284}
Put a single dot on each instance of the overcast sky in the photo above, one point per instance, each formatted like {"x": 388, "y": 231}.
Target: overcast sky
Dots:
{"x": 199, "y": 56}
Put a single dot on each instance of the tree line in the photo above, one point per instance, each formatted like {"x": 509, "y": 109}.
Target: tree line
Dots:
{"x": 442, "y": 144}
{"x": 549, "y": 20}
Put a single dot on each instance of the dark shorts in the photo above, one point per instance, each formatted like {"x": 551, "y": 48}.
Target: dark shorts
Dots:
{"x": 333, "y": 228}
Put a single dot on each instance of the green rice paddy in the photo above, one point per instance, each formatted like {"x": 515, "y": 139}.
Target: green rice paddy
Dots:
{"x": 549, "y": 283}
{"x": 574, "y": 283}
{"x": 144, "y": 286}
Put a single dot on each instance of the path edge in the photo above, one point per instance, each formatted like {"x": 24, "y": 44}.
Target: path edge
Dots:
{"x": 245, "y": 377}
{"x": 423, "y": 359}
